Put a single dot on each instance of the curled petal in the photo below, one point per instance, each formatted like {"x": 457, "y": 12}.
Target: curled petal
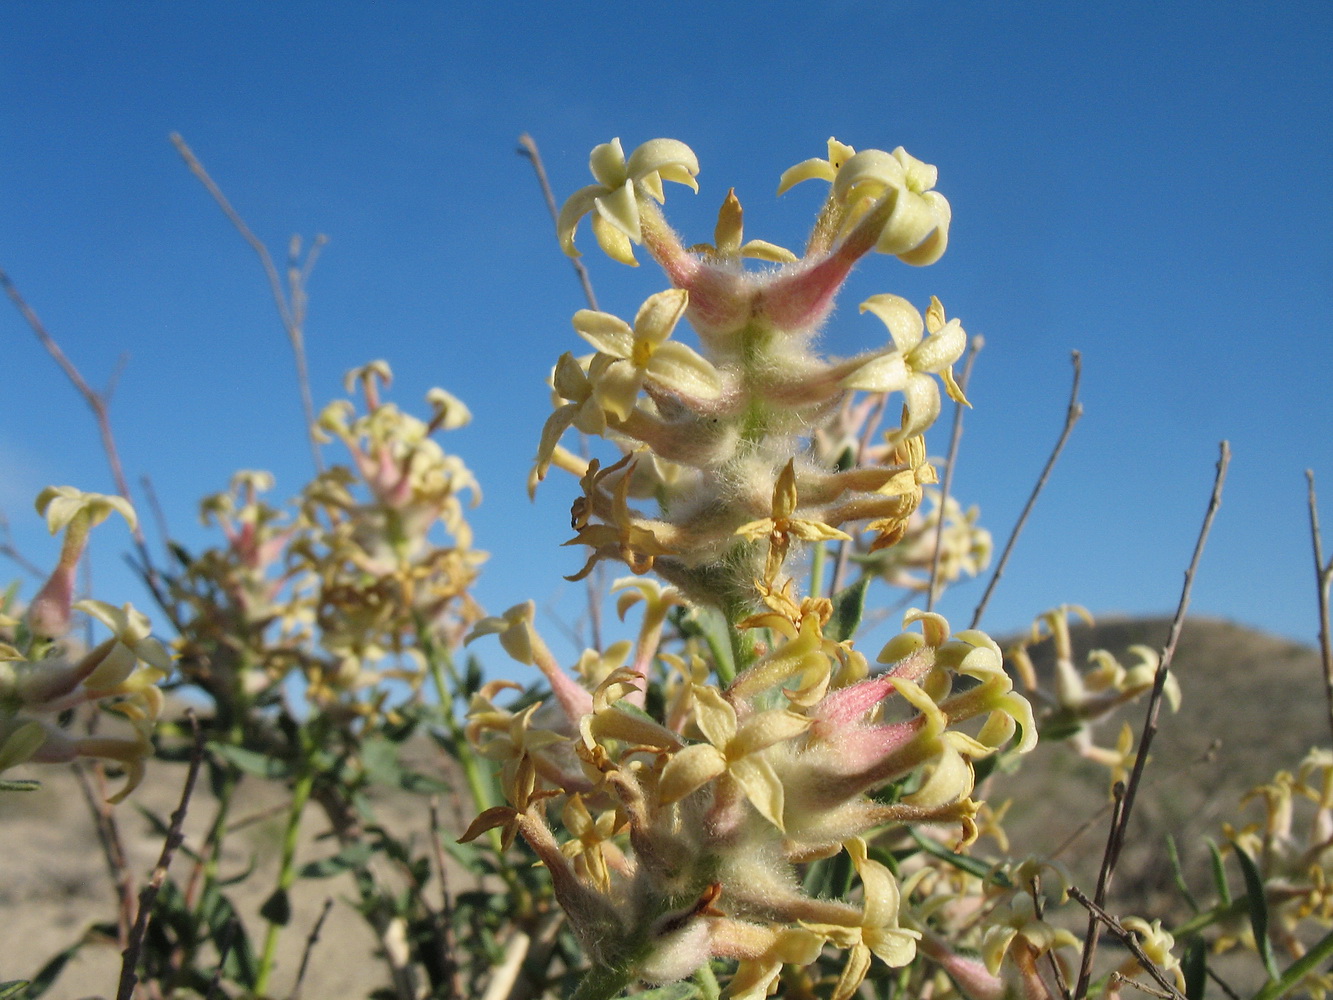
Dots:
{"x": 607, "y": 163}
{"x": 900, "y": 316}
{"x": 669, "y": 159}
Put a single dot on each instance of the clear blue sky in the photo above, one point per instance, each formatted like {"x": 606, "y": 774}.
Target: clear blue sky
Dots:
{"x": 1145, "y": 182}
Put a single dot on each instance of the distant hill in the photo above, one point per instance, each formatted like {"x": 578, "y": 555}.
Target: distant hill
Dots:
{"x": 1260, "y": 698}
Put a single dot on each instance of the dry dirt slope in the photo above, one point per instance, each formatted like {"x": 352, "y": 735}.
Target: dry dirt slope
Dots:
{"x": 1259, "y": 695}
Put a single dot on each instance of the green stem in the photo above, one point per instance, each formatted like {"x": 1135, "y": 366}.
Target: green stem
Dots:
{"x": 438, "y": 662}
{"x": 286, "y": 872}
{"x": 817, "y": 569}
{"x": 707, "y": 982}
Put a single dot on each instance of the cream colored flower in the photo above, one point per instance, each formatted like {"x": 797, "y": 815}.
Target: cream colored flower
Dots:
{"x": 909, "y": 367}
{"x": 614, "y": 199}
{"x": 878, "y": 932}
{"x": 917, "y": 230}
{"x": 649, "y": 351}
{"x": 733, "y": 749}
{"x": 816, "y": 169}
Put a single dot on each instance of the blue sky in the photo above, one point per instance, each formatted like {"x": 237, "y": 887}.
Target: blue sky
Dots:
{"x": 1145, "y": 182}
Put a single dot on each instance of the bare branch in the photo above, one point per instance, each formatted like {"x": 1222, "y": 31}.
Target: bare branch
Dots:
{"x": 528, "y": 148}
{"x": 1323, "y": 573}
{"x": 956, "y": 435}
{"x": 309, "y": 949}
{"x": 1130, "y": 941}
{"x": 291, "y": 303}
{"x": 1072, "y": 415}
{"x": 1120, "y": 819}
{"x": 148, "y": 895}
{"x": 97, "y": 402}
{"x": 596, "y": 585}
{"x": 453, "y": 986}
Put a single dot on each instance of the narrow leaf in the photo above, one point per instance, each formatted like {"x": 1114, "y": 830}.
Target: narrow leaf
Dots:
{"x": 352, "y": 856}
{"x": 849, "y": 604}
{"x": 1302, "y": 967}
{"x": 277, "y": 909}
{"x": 1194, "y": 966}
{"x": 1178, "y": 873}
{"x": 1254, "y": 888}
{"x": 972, "y": 866}
{"x": 251, "y": 762}
{"x": 1219, "y": 874}
{"x": 13, "y": 989}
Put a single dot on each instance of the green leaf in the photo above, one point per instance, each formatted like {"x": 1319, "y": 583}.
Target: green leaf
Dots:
{"x": 12, "y": 989}
{"x": 48, "y": 972}
{"x": 277, "y": 909}
{"x": 1178, "y": 873}
{"x": 227, "y": 932}
{"x": 972, "y": 866}
{"x": 19, "y": 785}
{"x": 849, "y": 604}
{"x": 352, "y": 856}
{"x": 252, "y": 762}
{"x": 829, "y": 878}
{"x": 1298, "y": 970}
{"x": 1254, "y": 889}
{"x": 1219, "y": 873}
{"x": 1194, "y": 966}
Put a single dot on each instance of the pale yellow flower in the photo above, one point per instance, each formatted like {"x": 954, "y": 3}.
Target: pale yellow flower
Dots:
{"x": 917, "y": 230}
{"x": 733, "y": 749}
{"x": 781, "y": 526}
{"x": 614, "y": 199}
{"x": 647, "y": 348}
{"x": 909, "y": 367}
{"x": 816, "y": 169}
{"x": 878, "y": 932}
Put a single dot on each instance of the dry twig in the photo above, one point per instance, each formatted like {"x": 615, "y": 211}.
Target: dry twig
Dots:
{"x": 1072, "y": 415}
{"x": 955, "y": 436}
{"x": 1130, "y": 941}
{"x": 1120, "y": 820}
{"x": 1323, "y": 572}
{"x": 309, "y": 949}
{"x": 291, "y": 301}
{"x": 148, "y": 895}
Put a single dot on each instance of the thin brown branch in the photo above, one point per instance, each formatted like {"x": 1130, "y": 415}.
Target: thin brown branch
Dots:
{"x": 148, "y": 895}
{"x": 309, "y": 949}
{"x": 950, "y": 463}
{"x": 453, "y": 986}
{"x": 1169, "y": 650}
{"x": 113, "y": 847}
{"x": 1039, "y": 909}
{"x": 1120, "y": 820}
{"x": 1093, "y": 934}
{"x": 1072, "y": 415}
{"x": 1130, "y": 941}
{"x": 528, "y": 148}
{"x": 11, "y": 553}
{"x": 291, "y": 303}
{"x": 98, "y": 403}
{"x": 1117, "y": 978}
{"x": 1323, "y": 572}
{"x": 596, "y": 584}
